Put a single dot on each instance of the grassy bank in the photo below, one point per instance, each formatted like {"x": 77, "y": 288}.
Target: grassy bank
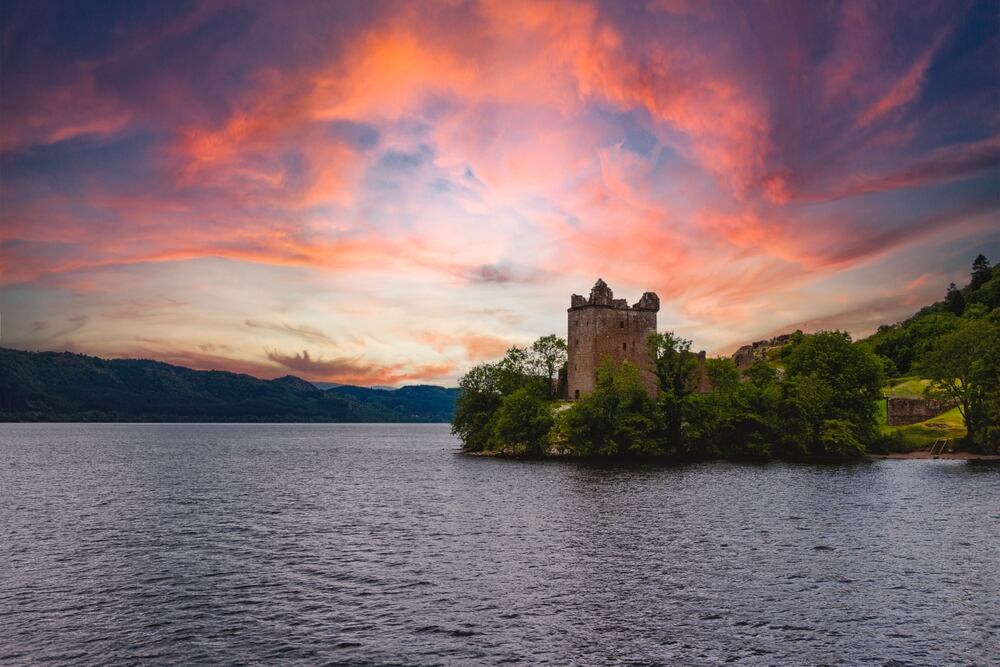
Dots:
{"x": 920, "y": 435}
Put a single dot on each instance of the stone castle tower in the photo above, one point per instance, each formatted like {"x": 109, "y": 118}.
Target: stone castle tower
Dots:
{"x": 605, "y": 327}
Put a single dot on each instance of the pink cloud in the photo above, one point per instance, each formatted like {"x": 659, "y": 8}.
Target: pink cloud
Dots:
{"x": 905, "y": 89}
{"x": 347, "y": 370}
{"x": 508, "y": 144}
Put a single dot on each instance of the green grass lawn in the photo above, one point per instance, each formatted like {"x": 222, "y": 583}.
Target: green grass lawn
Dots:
{"x": 917, "y": 436}
{"x": 908, "y": 388}
{"x": 946, "y": 425}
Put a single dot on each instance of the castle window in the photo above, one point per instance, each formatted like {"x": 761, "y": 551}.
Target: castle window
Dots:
{"x": 624, "y": 346}
{"x": 621, "y": 324}
{"x": 576, "y": 394}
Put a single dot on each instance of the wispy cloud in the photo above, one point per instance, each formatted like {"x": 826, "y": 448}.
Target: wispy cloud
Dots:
{"x": 415, "y": 166}
{"x": 354, "y": 371}
{"x": 306, "y": 333}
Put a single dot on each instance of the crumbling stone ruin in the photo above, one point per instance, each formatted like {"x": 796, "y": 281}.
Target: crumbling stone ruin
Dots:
{"x": 605, "y": 327}
{"x": 748, "y": 354}
{"x": 901, "y": 411}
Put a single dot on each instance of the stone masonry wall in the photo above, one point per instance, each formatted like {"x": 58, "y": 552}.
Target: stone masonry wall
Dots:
{"x": 604, "y": 327}
{"x": 903, "y": 411}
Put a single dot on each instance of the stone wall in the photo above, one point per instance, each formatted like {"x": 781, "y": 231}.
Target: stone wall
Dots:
{"x": 604, "y": 327}
{"x": 903, "y": 411}
{"x": 703, "y": 385}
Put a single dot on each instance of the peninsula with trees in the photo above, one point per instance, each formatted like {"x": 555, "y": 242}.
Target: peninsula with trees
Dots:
{"x": 618, "y": 389}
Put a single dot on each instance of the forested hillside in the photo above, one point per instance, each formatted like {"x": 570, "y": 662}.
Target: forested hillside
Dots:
{"x": 50, "y": 386}
{"x": 903, "y": 347}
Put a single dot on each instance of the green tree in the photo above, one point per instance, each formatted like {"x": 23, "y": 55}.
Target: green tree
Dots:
{"x": 676, "y": 370}
{"x": 723, "y": 375}
{"x": 549, "y": 355}
{"x": 953, "y": 300}
{"x": 803, "y": 406}
{"x": 479, "y": 397}
{"x": 762, "y": 374}
{"x": 981, "y": 272}
{"x": 838, "y": 440}
{"x": 484, "y": 388}
{"x": 754, "y": 426}
{"x": 852, "y": 372}
{"x": 523, "y": 421}
{"x": 614, "y": 420}
{"x": 707, "y": 419}
{"x": 964, "y": 366}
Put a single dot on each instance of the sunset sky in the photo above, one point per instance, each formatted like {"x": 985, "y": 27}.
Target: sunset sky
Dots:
{"x": 389, "y": 193}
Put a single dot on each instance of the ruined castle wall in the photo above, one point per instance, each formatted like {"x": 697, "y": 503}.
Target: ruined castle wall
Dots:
{"x": 599, "y": 332}
{"x": 903, "y": 411}
{"x": 704, "y": 385}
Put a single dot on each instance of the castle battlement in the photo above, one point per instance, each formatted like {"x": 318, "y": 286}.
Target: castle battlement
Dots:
{"x": 601, "y": 296}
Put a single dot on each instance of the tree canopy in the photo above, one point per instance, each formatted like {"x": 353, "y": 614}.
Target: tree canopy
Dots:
{"x": 817, "y": 397}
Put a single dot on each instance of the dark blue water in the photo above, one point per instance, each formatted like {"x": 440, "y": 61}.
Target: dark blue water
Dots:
{"x": 378, "y": 544}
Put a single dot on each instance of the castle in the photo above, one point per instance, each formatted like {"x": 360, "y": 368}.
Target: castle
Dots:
{"x": 605, "y": 327}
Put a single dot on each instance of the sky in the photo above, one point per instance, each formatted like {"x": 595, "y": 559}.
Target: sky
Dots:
{"x": 388, "y": 193}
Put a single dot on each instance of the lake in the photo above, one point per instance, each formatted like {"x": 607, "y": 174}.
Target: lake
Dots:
{"x": 380, "y": 544}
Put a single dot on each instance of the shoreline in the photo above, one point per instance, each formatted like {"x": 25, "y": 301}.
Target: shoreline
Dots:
{"x": 897, "y": 456}
{"x": 925, "y": 456}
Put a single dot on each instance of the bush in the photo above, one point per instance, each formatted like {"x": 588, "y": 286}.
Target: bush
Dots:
{"x": 523, "y": 422}
{"x": 614, "y": 420}
{"x": 891, "y": 442}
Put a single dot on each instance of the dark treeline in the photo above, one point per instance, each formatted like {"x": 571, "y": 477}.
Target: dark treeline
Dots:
{"x": 815, "y": 398}
{"x": 821, "y": 404}
{"x": 59, "y": 386}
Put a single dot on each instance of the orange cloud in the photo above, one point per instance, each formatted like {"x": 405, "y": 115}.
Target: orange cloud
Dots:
{"x": 477, "y": 347}
{"x": 476, "y": 148}
{"x": 347, "y": 370}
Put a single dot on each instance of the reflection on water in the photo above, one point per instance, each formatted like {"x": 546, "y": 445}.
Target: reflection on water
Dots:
{"x": 379, "y": 544}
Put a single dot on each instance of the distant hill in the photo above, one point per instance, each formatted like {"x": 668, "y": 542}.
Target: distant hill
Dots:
{"x": 326, "y": 385}
{"x": 60, "y": 386}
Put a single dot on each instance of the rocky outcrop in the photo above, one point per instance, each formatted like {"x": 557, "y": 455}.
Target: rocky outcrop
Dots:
{"x": 748, "y": 354}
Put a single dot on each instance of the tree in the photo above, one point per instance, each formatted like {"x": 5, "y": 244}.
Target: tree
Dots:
{"x": 852, "y": 372}
{"x": 723, "y": 375}
{"x": 479, "y": 397}
{"x": 676, "y": 370}
{"x": 761, "y": 374}
{"x": 708, "y": 424}
{"x": 981, "y": 272}
{"x": 674, "y": 363}
{"x": 964, "y": 366}
{"x": 549, "y": 355}
{"x": 953, "y": 300}
{"x": 484, "y": 388}
{"x": 803, "y": 407}
{"x": 838, "y": 441}
{"x": 614, "y": 420}
{"x": 523, "y": 422}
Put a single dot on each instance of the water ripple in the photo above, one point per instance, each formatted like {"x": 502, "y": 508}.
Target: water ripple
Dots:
{"x": 379, "y": 545}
